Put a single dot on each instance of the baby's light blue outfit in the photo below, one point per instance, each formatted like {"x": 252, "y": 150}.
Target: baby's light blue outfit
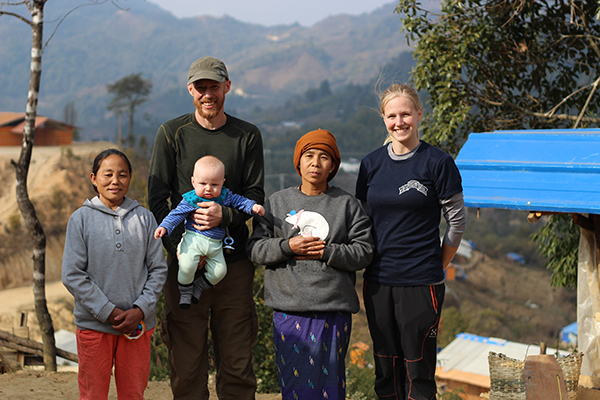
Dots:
{"x": 195, "y": 244}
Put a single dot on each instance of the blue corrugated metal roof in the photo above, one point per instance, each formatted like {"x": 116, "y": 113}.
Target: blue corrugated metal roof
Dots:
{"x": 555, "y": 170}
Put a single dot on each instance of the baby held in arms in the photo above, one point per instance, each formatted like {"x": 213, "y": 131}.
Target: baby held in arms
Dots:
{"x": 208, "y": 180}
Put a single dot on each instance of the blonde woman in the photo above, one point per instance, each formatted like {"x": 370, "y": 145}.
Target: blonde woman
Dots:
{"x": 407, "y": 185}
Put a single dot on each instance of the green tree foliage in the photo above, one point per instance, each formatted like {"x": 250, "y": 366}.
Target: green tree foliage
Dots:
{"x": 496, "y": 64}
{"x": 558, "y": 242}
{"x": 14, "y": 224}
{"x": 315, "y": 94}
{"x": 127, "y": 94}
{"x": 143, "y": 144}
{"x": 457, "y": 394}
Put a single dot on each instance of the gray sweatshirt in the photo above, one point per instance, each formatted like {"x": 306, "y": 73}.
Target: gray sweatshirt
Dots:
{"x": 111, "y": 259}
{"x": 312, "y": 285}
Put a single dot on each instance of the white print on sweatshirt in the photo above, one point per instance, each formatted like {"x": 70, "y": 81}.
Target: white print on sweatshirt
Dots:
{"x": 310, "y": 223}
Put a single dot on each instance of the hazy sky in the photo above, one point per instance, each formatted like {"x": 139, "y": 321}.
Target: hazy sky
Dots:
{"x": 271, "y": 12}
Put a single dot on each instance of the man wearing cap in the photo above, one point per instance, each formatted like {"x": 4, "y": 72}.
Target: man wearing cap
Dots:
{"x": 228, "y": 308}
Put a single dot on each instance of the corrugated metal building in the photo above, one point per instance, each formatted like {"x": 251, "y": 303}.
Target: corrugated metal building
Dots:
{"x": 464, "y": 362}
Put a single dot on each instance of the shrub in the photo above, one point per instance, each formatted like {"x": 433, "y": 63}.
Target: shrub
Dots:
{"x": 263, "y": 351}
{"x": 360, "y": 382}
{"x": 159, "y": 361}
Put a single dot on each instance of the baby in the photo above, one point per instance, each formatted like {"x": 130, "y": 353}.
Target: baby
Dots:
{"x": 208, "y": 179}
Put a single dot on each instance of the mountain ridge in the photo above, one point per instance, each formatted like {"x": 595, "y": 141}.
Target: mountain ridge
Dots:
{"x": 98, "y": 45}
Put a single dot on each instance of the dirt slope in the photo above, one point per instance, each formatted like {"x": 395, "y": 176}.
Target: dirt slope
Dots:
{"x": 505, "y": 299}
{"x": 44, "y": 174}
{"x": 57, "y": 183}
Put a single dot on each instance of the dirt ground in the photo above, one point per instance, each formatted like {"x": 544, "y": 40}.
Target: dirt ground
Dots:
{"x": 38, "y": 385}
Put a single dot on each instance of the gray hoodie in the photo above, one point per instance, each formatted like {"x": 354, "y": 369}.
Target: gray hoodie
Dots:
{"x": 111, "y": 259}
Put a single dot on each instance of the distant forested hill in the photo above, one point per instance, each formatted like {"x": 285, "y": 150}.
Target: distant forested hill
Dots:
{"x": 98, "y": 44}
{"x": 351, "y": 112}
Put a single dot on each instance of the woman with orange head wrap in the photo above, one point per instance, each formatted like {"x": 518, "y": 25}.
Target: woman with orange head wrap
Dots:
{"x": 312, "y": 239}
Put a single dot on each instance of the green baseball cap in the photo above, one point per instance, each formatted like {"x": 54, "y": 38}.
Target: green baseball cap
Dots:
{"x": 208, "y": 68}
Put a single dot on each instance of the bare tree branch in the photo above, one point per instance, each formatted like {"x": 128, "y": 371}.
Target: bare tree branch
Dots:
{"x": 587, "y": 102}
{"x": 556, "y": 107}
{"x": 561, "y": 117}
{"x": 18, "y": 16}
{"x": 114, "y": 2}
{"x": 66, "y": 15}
{"x": 2, "y": 3}
{"x": 550, "y": 116}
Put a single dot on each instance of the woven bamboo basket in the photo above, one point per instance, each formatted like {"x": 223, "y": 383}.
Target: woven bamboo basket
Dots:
{"x": 506, "y": 376}
{"x": 571, "y": 367}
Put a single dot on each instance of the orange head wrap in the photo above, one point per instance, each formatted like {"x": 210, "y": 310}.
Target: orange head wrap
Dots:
{"x": 321, "y": 140}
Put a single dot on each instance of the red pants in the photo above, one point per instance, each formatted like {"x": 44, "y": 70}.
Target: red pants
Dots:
{"x": 98, "y": 352}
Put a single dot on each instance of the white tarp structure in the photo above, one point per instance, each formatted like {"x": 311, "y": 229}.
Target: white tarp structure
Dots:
{"x": 588, "y": 306}
{"x": 465, "y": 249}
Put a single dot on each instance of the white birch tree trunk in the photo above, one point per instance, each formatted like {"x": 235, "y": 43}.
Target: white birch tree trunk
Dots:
{"x": 36, "y": 7}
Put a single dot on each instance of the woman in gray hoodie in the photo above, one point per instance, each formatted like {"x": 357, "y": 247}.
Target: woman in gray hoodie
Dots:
{"x": 115, "y": 270}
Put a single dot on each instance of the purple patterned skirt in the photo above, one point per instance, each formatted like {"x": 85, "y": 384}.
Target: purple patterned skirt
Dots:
{"x": 310, "y": 349}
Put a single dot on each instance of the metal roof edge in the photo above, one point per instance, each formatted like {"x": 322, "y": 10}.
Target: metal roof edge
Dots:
{"x": 551, "y": 170}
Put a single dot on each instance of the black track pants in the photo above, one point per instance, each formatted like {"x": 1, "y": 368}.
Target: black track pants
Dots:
{"x": 403, "y": 322}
